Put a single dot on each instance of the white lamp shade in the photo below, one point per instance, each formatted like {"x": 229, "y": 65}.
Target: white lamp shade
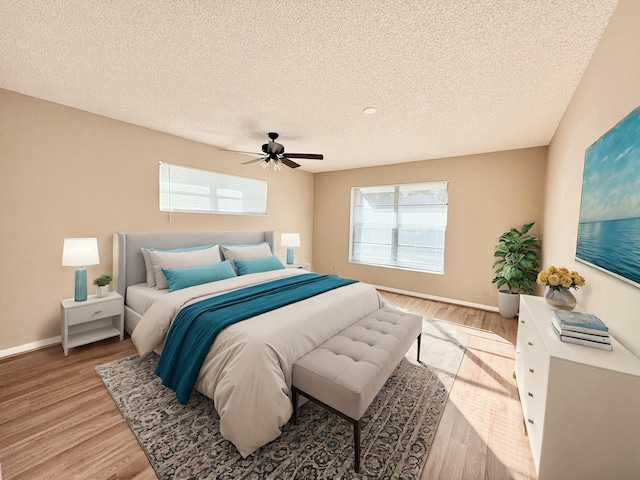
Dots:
{"x": 290, "y": 240}
{"x": 78, "y": 252}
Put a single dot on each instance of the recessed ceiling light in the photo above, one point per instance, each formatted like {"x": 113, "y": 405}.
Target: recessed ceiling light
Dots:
{"x": 369, "y": 110}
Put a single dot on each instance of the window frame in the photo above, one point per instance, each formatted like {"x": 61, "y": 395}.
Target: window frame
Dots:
{"x": 216, "y": 187}
{"x": 392, "y": 261}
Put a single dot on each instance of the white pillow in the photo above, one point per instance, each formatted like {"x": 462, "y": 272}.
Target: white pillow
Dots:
{"x": 148, "y": 264}
{"x": 194, "y": 258}
{"x": 231, "y": 252}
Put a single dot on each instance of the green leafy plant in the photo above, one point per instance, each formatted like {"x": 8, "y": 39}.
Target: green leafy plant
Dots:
{"x": 102, "y": 280}
{"x": 517, "y": 260}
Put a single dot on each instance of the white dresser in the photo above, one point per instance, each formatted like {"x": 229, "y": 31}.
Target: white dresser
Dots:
{"x": 581, "y": 405}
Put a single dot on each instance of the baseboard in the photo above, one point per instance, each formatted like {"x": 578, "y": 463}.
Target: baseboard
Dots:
{"x": 435, "y": 298}
{"x": 7, "y": 352}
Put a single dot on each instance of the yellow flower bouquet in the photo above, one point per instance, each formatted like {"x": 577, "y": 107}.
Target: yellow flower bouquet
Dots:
{"x": 560, "y": 278}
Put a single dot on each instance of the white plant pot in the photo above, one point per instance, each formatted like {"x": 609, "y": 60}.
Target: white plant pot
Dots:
{"x": 102, "y": 291}
{"x": 508, "y": 303}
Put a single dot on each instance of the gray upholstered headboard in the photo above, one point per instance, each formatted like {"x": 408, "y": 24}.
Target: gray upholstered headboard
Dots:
{"x": 128, "y": 263}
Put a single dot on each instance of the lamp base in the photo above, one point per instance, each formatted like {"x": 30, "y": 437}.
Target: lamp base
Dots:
{"x": 81, "y": 285}
{"x": 290, "y": 256}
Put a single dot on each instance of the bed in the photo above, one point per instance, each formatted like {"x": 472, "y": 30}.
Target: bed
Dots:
{"x": 129, "y": 265}
{"x": 247, "y": 370}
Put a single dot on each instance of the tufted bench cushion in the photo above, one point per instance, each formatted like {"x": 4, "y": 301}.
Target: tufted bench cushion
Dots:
{"x": 346, "y": 373}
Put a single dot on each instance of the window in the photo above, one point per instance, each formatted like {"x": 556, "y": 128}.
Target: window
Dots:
{"x": 399, "y": 226}
{"x": 186, "y": 189}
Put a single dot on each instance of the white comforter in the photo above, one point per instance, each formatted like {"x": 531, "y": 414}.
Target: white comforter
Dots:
{"x": 247, "y": 372}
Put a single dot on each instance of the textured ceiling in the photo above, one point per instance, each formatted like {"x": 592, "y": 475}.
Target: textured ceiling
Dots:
{"x": 448, "y": 77}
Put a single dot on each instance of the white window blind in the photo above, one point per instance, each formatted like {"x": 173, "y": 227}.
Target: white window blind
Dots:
{"x": 401, "y": 226}
{"x": 186, "y": 189}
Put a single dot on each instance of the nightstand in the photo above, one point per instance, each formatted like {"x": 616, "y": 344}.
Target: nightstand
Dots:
{"x": 95, "y": 319}
{"x": 301, "y": 265}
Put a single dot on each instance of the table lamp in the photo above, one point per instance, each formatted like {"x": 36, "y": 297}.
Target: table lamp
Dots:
{"x": 78, "y": 252}
{"x": 290, "y": 240}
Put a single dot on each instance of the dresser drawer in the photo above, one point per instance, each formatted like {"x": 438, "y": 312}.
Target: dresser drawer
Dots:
{"x": 534, "y": 352}
{"x": 533, "y": 394}
{"x": 524, "y": 336}
{"x": 88, "y": 313}
{"x": 525, "y": 330}
{"x": 533, "y": 421}
{"x": 532, "y": 389}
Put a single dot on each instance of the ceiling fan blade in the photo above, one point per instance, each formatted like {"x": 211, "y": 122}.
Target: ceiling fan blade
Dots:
{"x": 289, "y": 163}
{"x": 240, "y": 151}
{"x": 310, "y": 156}
{"x": 253, "y": 161}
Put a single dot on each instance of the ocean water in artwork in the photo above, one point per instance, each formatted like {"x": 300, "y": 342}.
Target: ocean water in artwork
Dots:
{"x": 613, "y": 245}
{"x": 609, "y": 226}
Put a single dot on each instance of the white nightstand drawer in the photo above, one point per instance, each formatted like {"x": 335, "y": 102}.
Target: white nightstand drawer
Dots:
{"x": 90, "y": 312}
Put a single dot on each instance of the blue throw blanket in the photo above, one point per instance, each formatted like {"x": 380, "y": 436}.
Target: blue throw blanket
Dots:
{"x": 196, "y": 326}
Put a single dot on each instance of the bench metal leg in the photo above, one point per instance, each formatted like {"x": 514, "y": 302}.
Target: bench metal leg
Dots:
{"x": 356, "y": 444}
{"x": 295, "y": 392}
{"x": 419, "y": 342}
{"x": 357, "y": 424}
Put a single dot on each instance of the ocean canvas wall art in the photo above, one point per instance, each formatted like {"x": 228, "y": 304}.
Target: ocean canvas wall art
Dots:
{"x": 609, "y": 225}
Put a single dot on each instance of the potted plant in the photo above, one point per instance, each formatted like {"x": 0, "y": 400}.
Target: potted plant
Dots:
{"x": 102, "y": 284}
{"x": 516, "y": 268}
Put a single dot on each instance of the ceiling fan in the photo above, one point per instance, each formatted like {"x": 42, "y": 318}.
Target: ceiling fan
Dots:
{"x": 273, "y": 154}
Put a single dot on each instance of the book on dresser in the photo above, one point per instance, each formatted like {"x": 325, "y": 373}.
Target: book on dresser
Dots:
{"x": 581, "y": 329}
{"x": 595, "y": 337}
{"x": 572, "y": 330}
{"x": 579, "y": 322}
{"x": 585, "y": 339}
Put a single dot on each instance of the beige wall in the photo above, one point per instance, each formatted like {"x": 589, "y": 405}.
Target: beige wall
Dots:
{"x": 67, "y": 173}
{"x": 488, "y": 194}
{"x": 609, "y": 90}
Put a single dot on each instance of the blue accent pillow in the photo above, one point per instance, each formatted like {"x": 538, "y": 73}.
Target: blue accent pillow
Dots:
{"x": 256, "y": 265}
{"x": 179, "y": 278}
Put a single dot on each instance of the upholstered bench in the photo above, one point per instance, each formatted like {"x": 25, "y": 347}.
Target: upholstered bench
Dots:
{"x": 346, "y": 373}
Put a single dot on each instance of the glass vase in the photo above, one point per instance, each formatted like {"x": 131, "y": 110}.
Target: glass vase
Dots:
{"x": 560, "y": 299}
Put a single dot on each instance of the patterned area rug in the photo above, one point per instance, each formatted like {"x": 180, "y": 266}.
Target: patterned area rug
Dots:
{"x": 398, "y": 428}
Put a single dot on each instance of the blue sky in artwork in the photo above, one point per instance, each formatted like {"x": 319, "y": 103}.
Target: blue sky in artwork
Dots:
{"x": 611, "y": 180}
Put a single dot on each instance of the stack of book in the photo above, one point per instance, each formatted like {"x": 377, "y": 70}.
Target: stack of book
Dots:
{"x": 581, "y": 328}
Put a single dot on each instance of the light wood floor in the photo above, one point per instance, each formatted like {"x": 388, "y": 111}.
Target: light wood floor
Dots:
{"x": 481, "y": 434}
{"x": 57, "y": 420}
